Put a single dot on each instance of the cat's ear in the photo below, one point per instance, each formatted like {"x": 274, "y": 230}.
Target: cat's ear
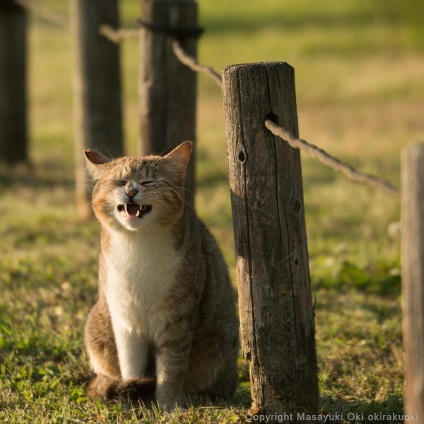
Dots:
{"x": 181, "y": 155}
{"x": 93, "y": 160}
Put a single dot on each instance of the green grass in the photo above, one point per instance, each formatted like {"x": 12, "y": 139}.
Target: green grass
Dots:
{"x": 359, "y": 68}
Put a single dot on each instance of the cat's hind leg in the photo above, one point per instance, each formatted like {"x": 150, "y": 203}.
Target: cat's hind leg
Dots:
{"x": 225, "y": 383}
{"x": 100, "y": 342}
{"x": 102, "y": 351}
{"x": 213, "y": 370}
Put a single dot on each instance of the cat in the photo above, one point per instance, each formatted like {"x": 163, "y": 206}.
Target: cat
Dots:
{"x": 165, "y": 319}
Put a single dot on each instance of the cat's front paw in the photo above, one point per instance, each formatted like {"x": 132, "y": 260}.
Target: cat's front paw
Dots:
{"x": 172, "y": 407}
{"x": 169, "y": 396}
{"x": 169, "y": 404}
{"x": 176, "y": 408}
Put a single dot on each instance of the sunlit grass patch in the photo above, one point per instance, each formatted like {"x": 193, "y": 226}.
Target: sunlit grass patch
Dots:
{"x": 359, "y": 70}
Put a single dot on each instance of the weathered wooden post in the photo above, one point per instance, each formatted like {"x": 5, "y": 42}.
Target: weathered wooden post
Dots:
{"x": 97, "y": 89}
{"x": 13, "y": 83}
{"x": 167, "y": 87}
{"x": 276, "y": 313}
{"x": 413, "y": 276}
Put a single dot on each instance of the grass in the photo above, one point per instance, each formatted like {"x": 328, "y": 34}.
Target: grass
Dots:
{"x": 359, "y": 68}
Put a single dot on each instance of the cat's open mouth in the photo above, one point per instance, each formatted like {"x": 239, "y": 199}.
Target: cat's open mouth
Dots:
{"x": 134, "y": 210}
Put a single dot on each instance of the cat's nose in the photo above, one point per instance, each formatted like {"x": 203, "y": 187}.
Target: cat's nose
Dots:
{"x": 131, "y": 190}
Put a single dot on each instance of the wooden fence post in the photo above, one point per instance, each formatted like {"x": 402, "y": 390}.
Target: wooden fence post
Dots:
{"x": 97, "y": 89}
{"x": 276, "y": 312}
{"x": 413, "y": 276}
{"x": 13, "y": 84}
{"x": 167, "y": 87}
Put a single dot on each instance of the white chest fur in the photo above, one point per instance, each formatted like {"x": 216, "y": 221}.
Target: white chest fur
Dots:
{"x": 141, "y": 269}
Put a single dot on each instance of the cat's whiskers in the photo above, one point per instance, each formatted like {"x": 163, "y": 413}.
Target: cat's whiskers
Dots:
{"x": 179, "y": 187}
{"x": 172, "y": 190}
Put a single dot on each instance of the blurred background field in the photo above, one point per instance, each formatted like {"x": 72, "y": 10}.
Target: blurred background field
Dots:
{"x": 360, "y": 93}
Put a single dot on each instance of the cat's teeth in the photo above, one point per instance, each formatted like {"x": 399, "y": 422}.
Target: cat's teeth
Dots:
{"x": 138, "y": 213}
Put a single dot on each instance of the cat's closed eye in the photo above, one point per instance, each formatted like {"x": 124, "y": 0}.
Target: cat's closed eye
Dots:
{"x": 120, "y": 183}
{"x": 147, "y": 183}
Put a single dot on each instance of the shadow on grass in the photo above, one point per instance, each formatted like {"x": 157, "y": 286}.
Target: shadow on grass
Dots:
{"x": 336, "y": 410}
{"x": 387, "y": 411}
{"x": 380, "y": 279}
{"x": 45, "y": 175}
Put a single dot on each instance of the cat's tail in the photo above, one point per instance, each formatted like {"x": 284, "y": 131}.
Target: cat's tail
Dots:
{"x": 116, "y": 389}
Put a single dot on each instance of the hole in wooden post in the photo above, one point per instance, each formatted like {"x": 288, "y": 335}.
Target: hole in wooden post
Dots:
{"x": 273, "y": 117}
{"x": 297, "y": 206}
{"x": 242, "y": 156}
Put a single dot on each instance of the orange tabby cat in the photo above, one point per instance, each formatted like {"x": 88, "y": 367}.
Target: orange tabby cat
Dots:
{"x": 166, "y": 305}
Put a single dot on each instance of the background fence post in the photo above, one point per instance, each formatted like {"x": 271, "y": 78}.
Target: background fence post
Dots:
{"x": 167, "y": 87}
{"x": 13, "y": 84}
{"x": 97, "y": 89}
{"x": 276, "y": 313}
{"x": 413, "y": 275}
